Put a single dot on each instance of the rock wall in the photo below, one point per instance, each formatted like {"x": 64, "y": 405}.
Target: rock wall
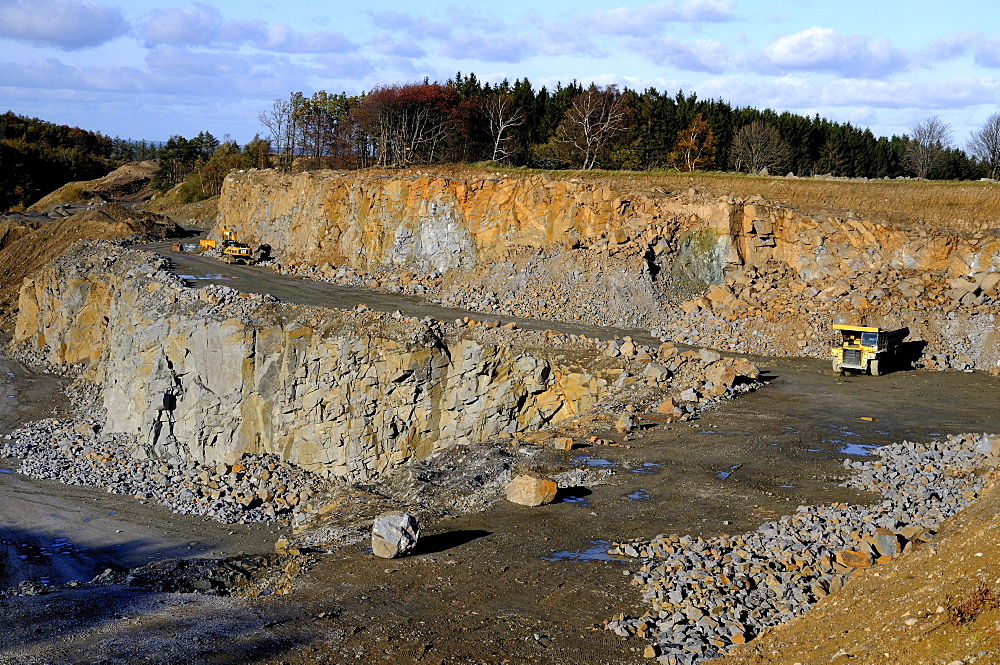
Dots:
{"x": 210, "y": 373}
{"x": 738, "y": 274}
{"x": 424, "y": 222}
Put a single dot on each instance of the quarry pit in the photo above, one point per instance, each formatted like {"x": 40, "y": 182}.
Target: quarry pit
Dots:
{"x": 347, "y": 361}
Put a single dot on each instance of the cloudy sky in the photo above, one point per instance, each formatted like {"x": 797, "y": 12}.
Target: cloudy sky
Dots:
{"x": 148, "y": 69}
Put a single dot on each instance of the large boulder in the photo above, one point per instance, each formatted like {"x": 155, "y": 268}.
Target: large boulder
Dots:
{"x": 395, "y": 534}
{"x": 532, "y": 489}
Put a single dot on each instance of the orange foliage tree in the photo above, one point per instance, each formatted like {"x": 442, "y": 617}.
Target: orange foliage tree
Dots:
{"x": 695, "y": 148}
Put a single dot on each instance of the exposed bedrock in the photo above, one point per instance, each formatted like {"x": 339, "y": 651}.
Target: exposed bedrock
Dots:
{"x": 211, "y": 373}
{"x": 363, "y": 220}
{"x": 631, "y": 255}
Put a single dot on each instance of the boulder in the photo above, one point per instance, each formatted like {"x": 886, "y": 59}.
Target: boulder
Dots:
{"x": 532, "y": 489}
{"x": 625, "y": 424}
{"x": 395, "y": 534}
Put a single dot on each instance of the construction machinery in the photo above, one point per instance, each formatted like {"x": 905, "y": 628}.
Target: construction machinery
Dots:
{"x": 233, "y": 251}
{"x": 866, "y": 349}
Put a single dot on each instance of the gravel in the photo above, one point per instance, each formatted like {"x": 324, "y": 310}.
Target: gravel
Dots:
{"x": 705, "y": 595}
{"x": 256, "y": 488}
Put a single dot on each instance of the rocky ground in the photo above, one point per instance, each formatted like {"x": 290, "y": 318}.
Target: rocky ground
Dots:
{"x": 508, "y": 582}
{"x": 893, "y": 576}
{"x": 738, "y": 315}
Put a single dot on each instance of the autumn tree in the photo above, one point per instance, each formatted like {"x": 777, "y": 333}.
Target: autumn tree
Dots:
{"x": 984, "y": 144}
{"x": 695, "y": 147}
{"x": 407, "y": 124}
{"x": 593, "y": 120}
{"x": 927, "y": 146}
{"x": 758, "y": 146}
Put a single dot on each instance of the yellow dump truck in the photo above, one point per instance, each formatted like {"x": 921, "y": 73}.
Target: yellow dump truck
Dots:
{"x": 865, "y": 348}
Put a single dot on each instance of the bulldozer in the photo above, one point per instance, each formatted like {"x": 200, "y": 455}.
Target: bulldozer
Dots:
{"x": 866, "y": 349}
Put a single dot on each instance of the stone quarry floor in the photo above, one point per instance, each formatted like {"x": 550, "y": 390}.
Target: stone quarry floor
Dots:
{"x": 512, "y": 584}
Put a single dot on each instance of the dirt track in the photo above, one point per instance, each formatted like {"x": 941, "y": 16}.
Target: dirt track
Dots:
{"x": 484, "y": 587}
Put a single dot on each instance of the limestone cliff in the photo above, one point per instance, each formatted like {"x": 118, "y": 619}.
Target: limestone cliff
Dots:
{"x": 630, "y": 256}
{"x": 211, "y": 373}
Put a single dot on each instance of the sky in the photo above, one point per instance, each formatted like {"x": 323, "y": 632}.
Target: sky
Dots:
{"x": 150, "y": 70}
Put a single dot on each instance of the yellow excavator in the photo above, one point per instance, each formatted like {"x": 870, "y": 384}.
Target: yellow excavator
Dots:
{"x": 232, "y": 250}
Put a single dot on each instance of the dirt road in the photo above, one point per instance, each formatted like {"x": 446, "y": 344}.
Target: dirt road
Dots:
{"x": 200, "y": 270}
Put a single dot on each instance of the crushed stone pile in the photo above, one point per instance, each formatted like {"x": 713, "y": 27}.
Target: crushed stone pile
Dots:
{"x": 257, "y": 488}
{"x": 706, "y": 595}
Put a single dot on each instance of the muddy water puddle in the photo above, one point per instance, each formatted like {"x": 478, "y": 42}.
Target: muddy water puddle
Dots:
{"x": 597, "y": 551}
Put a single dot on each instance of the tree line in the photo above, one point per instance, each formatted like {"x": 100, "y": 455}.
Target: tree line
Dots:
{"x": 465, "y": 120}
{"x": 584, "y": 127}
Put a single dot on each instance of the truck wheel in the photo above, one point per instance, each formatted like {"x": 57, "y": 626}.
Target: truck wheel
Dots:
{"x": 873, "y": 368}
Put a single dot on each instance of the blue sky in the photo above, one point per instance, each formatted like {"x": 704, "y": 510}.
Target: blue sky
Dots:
{"x": 148, "y": 70}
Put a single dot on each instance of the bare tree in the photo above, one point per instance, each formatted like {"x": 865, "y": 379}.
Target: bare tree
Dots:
{"x": 758, "y": 146}
{"x": 278, "y": 121}
{"x": 928, "y": 142}
{"x": 595, "y": 118}
{"x": 984, "y": 143}
{"x": 503, "y": 115}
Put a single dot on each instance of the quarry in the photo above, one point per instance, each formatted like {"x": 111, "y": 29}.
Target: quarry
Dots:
{"x": 212, "y": 442}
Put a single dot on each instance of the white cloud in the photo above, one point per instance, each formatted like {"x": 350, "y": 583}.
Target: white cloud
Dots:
{"x": 825, "y": 50}
{"x": 203, "y": 25}
{"x": 491, "y": 48}
{"x": 703, "y": 55}
{"x": 169, "y": 71}
{"x": 797, "y": 92}
{"x": 350, "y": 66}
{"x": 64, "y": 24}
{"x": 385, "y": 44}
{"x": 284, "y": 39}
{"x": 650, "y": 19}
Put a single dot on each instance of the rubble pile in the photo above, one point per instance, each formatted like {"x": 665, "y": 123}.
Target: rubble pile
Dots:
{"x": 706, "y": 595}
{"x": 256, "y": 488}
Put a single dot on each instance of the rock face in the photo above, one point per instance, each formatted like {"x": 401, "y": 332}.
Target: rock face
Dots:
{"x": 395, "y": 534}
{"x": 532, "y": 489}
{"x": 209, "y": 374}
{"x": 711, "y": 271}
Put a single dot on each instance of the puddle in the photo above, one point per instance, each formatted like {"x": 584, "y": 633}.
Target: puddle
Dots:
{"x": 6, "y": 471}
{"x": 570, "y": 498}
{"x": 598, "y": 551}
{"x": 595, "y": 462}
{"x": 722, "y": 475}
{"x": 861, "y": 449}
{"x": 639, "y": 495}
{"x": 647, "y": 467}
{"x": 786, "y": 487}
{"x": 724, "y": 432}
{"x": 209, "y": 276}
